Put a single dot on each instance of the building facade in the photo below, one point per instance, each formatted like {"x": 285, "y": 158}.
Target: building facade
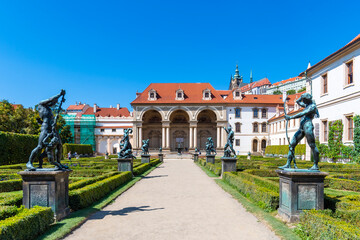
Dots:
{"x": 295, "y": 83}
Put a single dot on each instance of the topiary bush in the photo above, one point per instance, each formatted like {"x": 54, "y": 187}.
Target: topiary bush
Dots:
{"x": 78, "y": 148}
{"x": 284, "y": 149}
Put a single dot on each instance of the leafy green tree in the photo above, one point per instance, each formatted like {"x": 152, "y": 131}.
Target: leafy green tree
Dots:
{"x": 335, "y": 138}
{"x": 302, "y": 90}
{"x": 6, "y": 113}
{"x": 290, "y": 92}
{"x": 64, "y": 130}
{"x": 277, "y": 92}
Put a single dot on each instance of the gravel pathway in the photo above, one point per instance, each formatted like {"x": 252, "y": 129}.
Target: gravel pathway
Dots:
{"x": 175, "y": 201}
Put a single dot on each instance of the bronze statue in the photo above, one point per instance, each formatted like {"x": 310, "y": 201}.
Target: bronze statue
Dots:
{"x": 125, "y": 145}
{"x": 306, "y": 129}
{"x": 210, "y": 146}
{"x": 160, "y": 150}
{"x": 49, "y": 139}
{"x": 229, "y": 149}
{"x": 145, "y": 147}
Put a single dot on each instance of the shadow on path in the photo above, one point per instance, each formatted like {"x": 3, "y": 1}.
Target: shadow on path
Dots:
{"x": 123, "y": 212}
{"x": 155, "y": 176}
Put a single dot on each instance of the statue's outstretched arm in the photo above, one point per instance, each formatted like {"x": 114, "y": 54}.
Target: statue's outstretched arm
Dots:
{"x": 53, "y": 100}
{"x": 300, "y": 102}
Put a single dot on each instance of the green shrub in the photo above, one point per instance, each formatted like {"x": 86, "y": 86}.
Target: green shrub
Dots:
{"x": 84, "y": 197}
{"x": 284, "y": 149}
{"x": 215, "y": 168}
{"x": 141, "y": 169}
{"x": 16, "y": 148}
{"x": 261, "y": 172}
{"x": 28, "y": 224}
{"x": 87, "y": 181}
{"x": 320, "y": 225}
{"x": 11, "y": 185}
{"x": 342, "y": 184}
{"x": 264, "y": 197}
{"x": 79, "y": 148}
{"x": 336, "y": 129}
{"x": 11, "y": 198}
{"x": 260, "y": 181}
{"x": 9, "y": 211}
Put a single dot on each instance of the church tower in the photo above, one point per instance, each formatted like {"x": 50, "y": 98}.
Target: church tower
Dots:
{"x": 237, "y": 80}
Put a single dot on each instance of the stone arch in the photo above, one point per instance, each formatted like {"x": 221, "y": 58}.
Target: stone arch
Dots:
{"x": 179, "y": 130}
{"x": 176, "y": 108}
{"x": 102, "y": 146}
{"x": 213, "y": 109}
{"x": 143, "y": 111}
{"x": 255, "y": 145}
{"x": 152, "y": 128}
{"x": 206, "y": 127}
{"x": 114, "y": 146}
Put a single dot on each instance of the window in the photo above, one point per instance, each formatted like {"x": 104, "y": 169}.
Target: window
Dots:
{"x": 113, "y": 130}
{"x": 349, "y": 72}
{"x": 324, "y": 84}
{"x": 237, "y": 94}
{"x": 255, "y": 127}
{"x": 237, "y": 127}
{"x": 237, "y": 142}
{"x": 207, "y": 94}
{"x": 152, "y": 95}
{"x": 255, "y": 113}
{"x": 263, "y": 113}
{"x": 350, "y": 128}
{"x": 237, "y": 112}
{"x": 325, "y": 130}
{"x": 263, "y": 127}
{"x": 263, "y": 145}
{"x": 179, "y": 94}
{"x": 102, "y": 130}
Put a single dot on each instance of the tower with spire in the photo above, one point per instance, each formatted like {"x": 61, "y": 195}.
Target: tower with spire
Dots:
{"x": 237, "y": 80}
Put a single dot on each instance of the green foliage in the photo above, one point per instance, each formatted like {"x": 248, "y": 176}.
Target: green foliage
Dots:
{"x": 64, "y": 130}
{"x": 284, "y": 149}
{"x": 84, "y": 197}
{"x": 79, "y": 148}
{"x": 9, "y": 211}
{"x": 357, "y": 136}
{"x": 277, "y": 92}
{"x": 141, "y": 169}
{"x": 335, "y": 138}
{"x": 28, "y": 224}
{"x": 11, "y": 185}
{"x": 342, "y": 184}
{"x": 320, "y": 225}
{"x": 301, "y": 90}
{"x": 11, "y": 198}
{"x": 16, "y": 148}
{"x": 290, "y": 92}
{"x": 264, "y": 197}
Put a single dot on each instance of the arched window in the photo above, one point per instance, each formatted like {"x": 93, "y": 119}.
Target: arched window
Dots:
{"x": 237, "y": 112}
{"x": 255, "y": 145}
{"x": 237, "y": 127}
{"x": 255, "y": 113}
{"x": 263, "y": 127}
{"x": 263, "y": 113}
{"x": 255, "y": 127}
{"x": 263, "y": 145}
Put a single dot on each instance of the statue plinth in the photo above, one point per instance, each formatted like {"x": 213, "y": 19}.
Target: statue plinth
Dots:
{"x": 210, "y": 158}
{"x": 125, "y": 165}
{"x": 196, "y": 157}
{"x": 47, "y": 189}
{"x": 228, "y": 164}
{"x": 300, "y": 190}
{"x": 145, "y": 158}
{"x": 161, "y": 157}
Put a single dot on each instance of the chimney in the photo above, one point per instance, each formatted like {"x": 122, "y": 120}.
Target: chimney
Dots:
{"x": 95, "y": 107}
{"x": 118, "y": 106}
{"x": 111, "y": 106}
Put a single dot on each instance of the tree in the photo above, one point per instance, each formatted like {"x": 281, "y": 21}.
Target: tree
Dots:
{"x": 290, "y": 92}
{"x": 64, "y": 130}
{"x": 277, "y": 92}
{"x": 302, "y": 90}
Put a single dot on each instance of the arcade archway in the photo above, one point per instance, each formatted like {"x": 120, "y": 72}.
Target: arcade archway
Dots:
{"x": 206, "y": 127}
{"x": 151, "y": 128}
{"x": 179, "y": 130}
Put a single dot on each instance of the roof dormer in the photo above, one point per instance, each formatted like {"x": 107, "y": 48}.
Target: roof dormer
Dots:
{"x": 237, "y": 94}
{"x": 179, "y": 94}
{"x": 207, "y": 94}
{"x": 152, "y": 95}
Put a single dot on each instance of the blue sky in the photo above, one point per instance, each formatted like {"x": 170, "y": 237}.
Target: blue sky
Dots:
{"x": 104, "y": 51}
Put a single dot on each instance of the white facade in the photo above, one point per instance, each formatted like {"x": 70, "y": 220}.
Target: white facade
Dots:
{"x": 337, "y": 99}
{"x": 291, "y": 85}
{"x": 247, "y": 140}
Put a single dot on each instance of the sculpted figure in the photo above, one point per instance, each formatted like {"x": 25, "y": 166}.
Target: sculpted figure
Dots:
{"x": 210, "y": 146}
{"x": 145, "y": 147}
{"x": 48, "y": 133}
{"x": 228, "y": 149}
{"x": 306, "y": 129}
{"x": 160, "y": 150}
{"x": 125, "y": 145}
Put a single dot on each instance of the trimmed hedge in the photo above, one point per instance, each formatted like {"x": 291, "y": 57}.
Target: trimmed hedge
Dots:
{"x": 84, "y": 197}
{"x": 79, "y": 148}
{"x": 320, "y": 225}
{"x": 11, "y": 185}
{"x": 141, "y": 169}
{"x": 215, "y": 168}
{"x": 264, "y": 197}
{"x": 11, "y": 198}
{"x": 16, "y": 148}
{"x": 84, "y": 182}
{"x": 342, "y": 184}
{"x": 260, "y": 181}
{"x": 9, "y": 211}
{"x": 28, "y": 224}
{"x": 284, "y": 149}
{"x": 261, "y": 172}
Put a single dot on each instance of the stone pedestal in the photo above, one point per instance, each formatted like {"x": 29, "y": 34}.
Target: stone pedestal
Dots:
{"x": 145, "y": 158}
{"x": 125, "y": 165}
{"x": 210, "y": 158}
{"x": 300, "y": 190}
{"x": 228, "y": 164}
{"x": 161, "y": 157}
{"x": 196, "y": 157}
{"x": 47, "y": 189}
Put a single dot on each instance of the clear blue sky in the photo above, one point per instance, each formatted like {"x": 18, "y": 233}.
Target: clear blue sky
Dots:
{"x": 104, "y": 51}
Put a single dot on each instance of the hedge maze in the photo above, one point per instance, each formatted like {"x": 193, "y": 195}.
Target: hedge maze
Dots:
{"x": 91, "y": 180}
{"x": 256, "y": 179}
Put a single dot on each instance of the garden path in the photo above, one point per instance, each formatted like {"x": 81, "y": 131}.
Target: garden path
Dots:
{"x": 175, "y": 201}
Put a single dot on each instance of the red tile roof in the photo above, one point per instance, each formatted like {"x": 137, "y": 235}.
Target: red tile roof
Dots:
{"x": 286, "y": 80}
{"x": 293, "y": 112}
{"x": 76, "y": 107}
{"x": 108, "y": 112}
{"x": 255, "y": 84}
{"x": 193, "y": 93}
{"x": 260, "y": 99}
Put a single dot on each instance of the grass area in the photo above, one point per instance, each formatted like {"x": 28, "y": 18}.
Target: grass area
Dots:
{"x": 208, "y": 172}
{"x": 339, "y": 192}
{"x": 280, "y": 228}
{"x": 75, "y": 219}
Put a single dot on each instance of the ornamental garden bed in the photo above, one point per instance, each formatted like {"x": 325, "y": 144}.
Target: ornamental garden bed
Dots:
{"x": 91, "y": 180}
{"x": 257, "y": 180}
